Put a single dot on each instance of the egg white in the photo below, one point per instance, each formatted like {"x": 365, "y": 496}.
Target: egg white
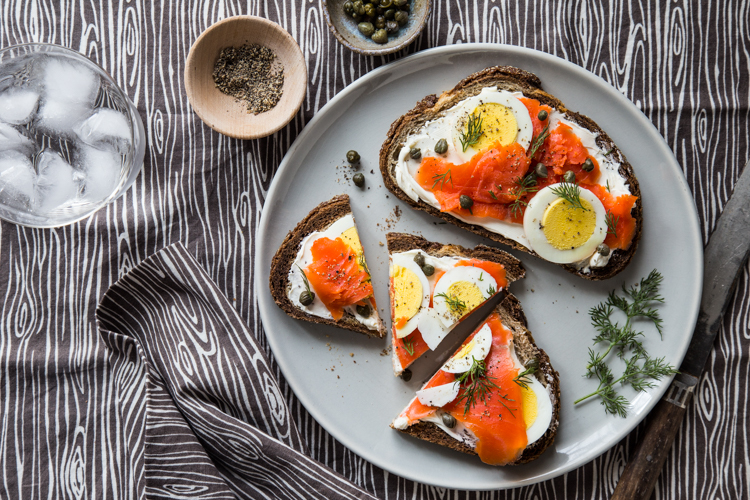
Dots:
{"x": 482, "y": 342}
{"x": 459, "y": 114}
{"x": 532, "y": 221}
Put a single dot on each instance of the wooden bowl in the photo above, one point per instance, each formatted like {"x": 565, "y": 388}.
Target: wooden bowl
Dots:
{"x": 224, "y": 113}
{"x": 344, "y": 28}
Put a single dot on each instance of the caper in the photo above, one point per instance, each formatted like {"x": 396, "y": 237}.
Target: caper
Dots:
{"x": 352, "y": 156}
{"x": 428, "y": 270}
{"x": 603, "y": 250}
{"x": 380, "y": 36}
{"x": 369, "y": 10}
{"x": 588, "y": 165}
{"x": 449, "y": 420}
{"x": 380, "y": 22}
{"x": 359, "y": 179}
{"x": 540, "y": 170}
{"x": 401, "y": 17}
{"x": 441, "y": 147}
{"x": 359, "y": 7}
{"x": 357, "y": 17}
{"x": 569, "y": 177}
{"x": 419, "y": 259}
{"x": 391, "y": 26}
{"x": 406, "y": 375}
{"x": 348, "y": 7}
{"x": 306, "y": 298}
{"x": 364, "y": 310}
{"x": 386, "y": 3}
{"x": 542, "y": 115}
{"x": 399, "y": 3}
{"x": 465, "y": 201}
{"x": 390, "y": 13}
{"x": 366, "y": 29}
{"x": 415, "y": 153}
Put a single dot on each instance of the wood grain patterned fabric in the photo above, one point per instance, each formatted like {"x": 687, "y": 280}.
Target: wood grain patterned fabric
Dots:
{"x": 73, "y": 422}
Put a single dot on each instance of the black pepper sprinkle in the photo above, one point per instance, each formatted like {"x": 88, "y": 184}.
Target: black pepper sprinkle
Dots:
{"x": 250, "y": 73}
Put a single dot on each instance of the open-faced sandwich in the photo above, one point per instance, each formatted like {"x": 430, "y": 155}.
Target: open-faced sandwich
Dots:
{"x": 434, "y": 286}
{"x": 497, "y": 397}
{"x": 319, "y": 273}
{"x": 500, "y": 157}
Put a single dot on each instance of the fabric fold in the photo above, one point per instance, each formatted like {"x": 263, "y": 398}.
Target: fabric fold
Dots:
{"x": 216, "y": 424}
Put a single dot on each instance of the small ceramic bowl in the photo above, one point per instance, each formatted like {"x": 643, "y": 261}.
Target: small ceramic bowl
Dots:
{"x": 345, "y": 28}
{"x": 224, "y": 113}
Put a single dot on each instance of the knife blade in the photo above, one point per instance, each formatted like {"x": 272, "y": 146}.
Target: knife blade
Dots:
{"x": 725, "y": 255}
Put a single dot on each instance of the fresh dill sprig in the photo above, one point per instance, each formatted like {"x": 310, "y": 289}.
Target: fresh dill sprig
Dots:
{"x": 478, "y": 386}
{"x": 481, "y": 277}
{"x": 640, "y": 368}
{"x": 456, "y": 305}
{"x": 492, "y": 193}
{"x": 522, "y": 378}
{"x": 609, "y": 152}
{"x": 441, "y": 178}
{"x": 491, "y": 291}
{"x": 571, "y": 193}
{"x": 304, "y": 278}
{"x": 608, "y": 190}
{"x": 611, "y": 221}
{"x": 473, "y": 131}
{"x": 524, "y": 185}
{"x": 537, "y": 141}
{"x": 408, "y": 346}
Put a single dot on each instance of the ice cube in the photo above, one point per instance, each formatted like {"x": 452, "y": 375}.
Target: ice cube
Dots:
{"x": 57, "y": 183}
{"x": 106, "y": 129}
{"x": 17, "y": 105}
{"x": 69, "y": 82}
{"x": 101, "y": 170}
{"x": 60, "y": 118}
{"x": 12, "y": 139}
{"x": 16, "y": 179}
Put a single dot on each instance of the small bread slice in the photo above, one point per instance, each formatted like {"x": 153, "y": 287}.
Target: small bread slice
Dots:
{"x": 287, "y": 264}
{"x": 506, "y": 78}
{"x": 527, "y": 352}
{"x": 407, "y": 341}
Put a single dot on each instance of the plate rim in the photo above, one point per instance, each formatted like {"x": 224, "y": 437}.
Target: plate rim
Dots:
{"x": 657, "y": 392}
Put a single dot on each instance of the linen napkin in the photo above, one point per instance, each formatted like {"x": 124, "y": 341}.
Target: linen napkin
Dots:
{"x": 203, "y": 416}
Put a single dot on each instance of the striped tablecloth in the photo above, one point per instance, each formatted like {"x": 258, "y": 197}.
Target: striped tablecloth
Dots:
{"x": 65, "y": 427}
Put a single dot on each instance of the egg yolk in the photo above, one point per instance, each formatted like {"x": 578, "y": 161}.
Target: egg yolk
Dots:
{"x": 498, "y": 125}
{"x": 407, "y": 290}
{"x": 567, "y": 227}
{"x": 464, "y": 350}
{"x": 351, "y": 238}
{"x": 467, "y": 293}
{"x": 528, "y": 403}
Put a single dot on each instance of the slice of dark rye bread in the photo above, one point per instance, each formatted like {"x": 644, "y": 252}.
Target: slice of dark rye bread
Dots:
{"x": 403, "y": 242}
{"x": 526, "y": 349}
{"x": 511, "y": 79}
{"x": 320, "y": 218}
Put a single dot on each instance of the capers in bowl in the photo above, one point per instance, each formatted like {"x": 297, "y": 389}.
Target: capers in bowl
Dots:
{"x": 376, "y": 19}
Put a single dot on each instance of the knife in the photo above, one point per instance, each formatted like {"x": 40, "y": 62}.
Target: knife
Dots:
{"x": 723, "y": 258}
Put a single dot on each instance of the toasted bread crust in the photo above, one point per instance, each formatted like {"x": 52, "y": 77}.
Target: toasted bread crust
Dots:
{"x": 511, "y": 79}
{"x": 318, "y": 219}
{"x": 513, "y": 317}
{"x": 403, "y": 242}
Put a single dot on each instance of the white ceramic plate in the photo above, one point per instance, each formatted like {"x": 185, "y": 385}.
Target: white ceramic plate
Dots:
{"x": 343, "y": 378}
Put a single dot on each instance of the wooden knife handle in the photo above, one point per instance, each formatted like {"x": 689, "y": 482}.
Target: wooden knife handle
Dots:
{"x": 639, "y": 477}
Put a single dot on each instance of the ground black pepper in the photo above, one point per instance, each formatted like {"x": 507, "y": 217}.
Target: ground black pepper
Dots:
{"x": 250, "y": 73}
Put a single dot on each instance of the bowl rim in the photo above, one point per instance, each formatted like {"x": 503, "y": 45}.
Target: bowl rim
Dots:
{"x": 138, "y": 133}
{"x": 377, "y": 52}
{"x": 190, "y": 91}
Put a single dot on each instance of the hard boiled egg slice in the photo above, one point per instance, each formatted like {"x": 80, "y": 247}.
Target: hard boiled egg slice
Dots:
{"x": 537, "y": 409}
{"x": 439, "y": 395}
{"x": 477, "y": 348}
{"x": 460, "y": 290}
{"x": 503, "y": 118}
{"x": 563, "y": 233}
{"x": 411, "y": 292}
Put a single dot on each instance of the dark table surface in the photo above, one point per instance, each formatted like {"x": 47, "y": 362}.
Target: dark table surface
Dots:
{"x": 686, "y": 65}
